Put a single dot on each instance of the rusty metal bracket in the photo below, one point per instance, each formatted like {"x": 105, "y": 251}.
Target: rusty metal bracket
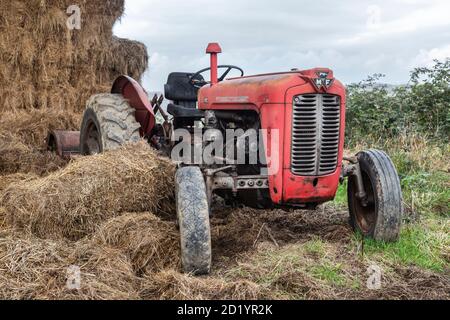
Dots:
{"x": 65, "y": 144}
{"x": 209, "y": 177}
{"x": 156, "y": 104}
{"x": 354, "y": 170}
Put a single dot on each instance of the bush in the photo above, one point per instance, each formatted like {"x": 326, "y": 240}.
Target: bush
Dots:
{"x": 422, "y": 106}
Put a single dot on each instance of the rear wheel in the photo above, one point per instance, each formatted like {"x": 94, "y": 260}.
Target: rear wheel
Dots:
{"x": 379, "y": 215}
{"x": 108, "y": 122}
{"x": 193, "y": 219}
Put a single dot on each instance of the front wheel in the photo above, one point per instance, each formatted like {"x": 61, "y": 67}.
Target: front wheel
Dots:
{"x": 193, "y": 219}
{"x": 379, "y": 215}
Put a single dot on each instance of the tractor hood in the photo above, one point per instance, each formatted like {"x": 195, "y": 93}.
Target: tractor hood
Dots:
{"x": 253, "y": 91}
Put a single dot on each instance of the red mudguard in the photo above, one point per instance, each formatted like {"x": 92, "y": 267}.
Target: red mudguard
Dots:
{"x": 131, "y": 90}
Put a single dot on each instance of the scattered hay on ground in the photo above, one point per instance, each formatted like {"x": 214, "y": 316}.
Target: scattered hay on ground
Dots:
{"x": 411, "y": 282}
{"x": 7, "y": 180}
{"x": 32, "y": 268}
{"x": 136, "y": 256}
{"x": 74, "y": 201}
{"x": 150, "y": 243}
{"x": 172, "y": 285}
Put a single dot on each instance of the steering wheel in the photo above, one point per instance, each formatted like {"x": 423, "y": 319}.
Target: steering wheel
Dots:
{"x": 198, "y": 83}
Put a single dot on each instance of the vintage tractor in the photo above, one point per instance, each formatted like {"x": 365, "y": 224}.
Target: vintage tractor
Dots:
{"x": 302, "y": 117}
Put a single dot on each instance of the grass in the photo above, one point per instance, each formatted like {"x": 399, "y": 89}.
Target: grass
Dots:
{"x": 325, "y": 269}
{"x": 424, "y": 171}
{"x": 341, "y": 195}
{"x": 329, "y": 272}
{"x": 427, "y": 193}
{"x": 423, "y": 245}
{"x": 424, "y": 193}
{"x": 315, "y": 246}
{"x": 316, "y": 259}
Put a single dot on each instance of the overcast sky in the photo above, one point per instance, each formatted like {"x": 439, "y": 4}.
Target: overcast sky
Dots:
{"x": 353, "y": 37}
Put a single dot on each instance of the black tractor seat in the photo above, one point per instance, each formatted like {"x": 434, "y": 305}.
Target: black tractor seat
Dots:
{"x": 184, "y": 99}
{"x": 182, "y": 112}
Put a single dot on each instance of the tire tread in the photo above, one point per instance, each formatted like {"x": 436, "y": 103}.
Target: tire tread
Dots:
{"x": 116, "y": 118}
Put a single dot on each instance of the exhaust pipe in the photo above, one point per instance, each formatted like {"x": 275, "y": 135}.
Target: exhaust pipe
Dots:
{"x": 65, "y": 144}
{"x": 214, "y": 49}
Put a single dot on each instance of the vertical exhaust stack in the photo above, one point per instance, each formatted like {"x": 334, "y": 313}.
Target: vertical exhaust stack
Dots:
{"x": 214, "y": 49}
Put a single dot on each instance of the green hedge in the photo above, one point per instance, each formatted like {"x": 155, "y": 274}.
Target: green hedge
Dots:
{"x": 422, "y": 106}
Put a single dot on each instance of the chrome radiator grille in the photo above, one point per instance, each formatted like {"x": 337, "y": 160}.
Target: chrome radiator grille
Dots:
{"x": 315, "y": 134}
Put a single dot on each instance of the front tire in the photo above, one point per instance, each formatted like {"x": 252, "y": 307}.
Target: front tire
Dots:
{"x": 380, "y": 216}
{"x": 193, "y": 219}
{"x": 108, "y": 122}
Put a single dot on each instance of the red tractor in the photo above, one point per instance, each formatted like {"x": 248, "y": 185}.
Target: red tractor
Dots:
{"x": 302, "y": 168}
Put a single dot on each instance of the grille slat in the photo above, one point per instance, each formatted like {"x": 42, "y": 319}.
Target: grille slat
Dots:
{"x": 315, "y": 134}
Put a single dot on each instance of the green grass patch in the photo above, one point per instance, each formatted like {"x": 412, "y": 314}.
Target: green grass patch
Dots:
{"x": 341, "y": 195}
{"x": 315, "y": 246}
{"x": 418, "y": 245}
{"x": 329, "y": 272}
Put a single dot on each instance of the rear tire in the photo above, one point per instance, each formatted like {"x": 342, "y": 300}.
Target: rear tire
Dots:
{"x": 381, "y": 218}
{"x": 108, "y": 122}
{"x": 193, "y": 219}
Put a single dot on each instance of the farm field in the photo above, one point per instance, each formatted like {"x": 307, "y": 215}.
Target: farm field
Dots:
{"x": 112, "y": 217}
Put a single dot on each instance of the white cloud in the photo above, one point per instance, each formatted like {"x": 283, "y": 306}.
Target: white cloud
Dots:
{"x": 405, "y": 22}
{"x": 353, "y": 37}
{"x": 426, "y": 57}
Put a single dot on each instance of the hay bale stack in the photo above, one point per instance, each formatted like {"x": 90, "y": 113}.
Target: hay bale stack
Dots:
{"x": 17, "y": 157}
{"x": 22, "y": 140}
{"x": 44, "y": 64}
{"x": 74, "y": 201}
{"x": 48, "y": 72}
{"x": 32, "y": 127}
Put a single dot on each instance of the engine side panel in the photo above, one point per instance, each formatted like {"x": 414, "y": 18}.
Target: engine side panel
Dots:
{"x": 272, "y": 115}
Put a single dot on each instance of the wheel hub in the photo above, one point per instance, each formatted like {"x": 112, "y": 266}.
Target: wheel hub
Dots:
{"x": 365, "y": 208}
{"x": 92, "y": 140}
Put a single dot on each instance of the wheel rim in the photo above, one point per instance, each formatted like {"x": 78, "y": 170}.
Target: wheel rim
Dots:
{"x": 365, "y": 211}
{"x": 91, "y": 141}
